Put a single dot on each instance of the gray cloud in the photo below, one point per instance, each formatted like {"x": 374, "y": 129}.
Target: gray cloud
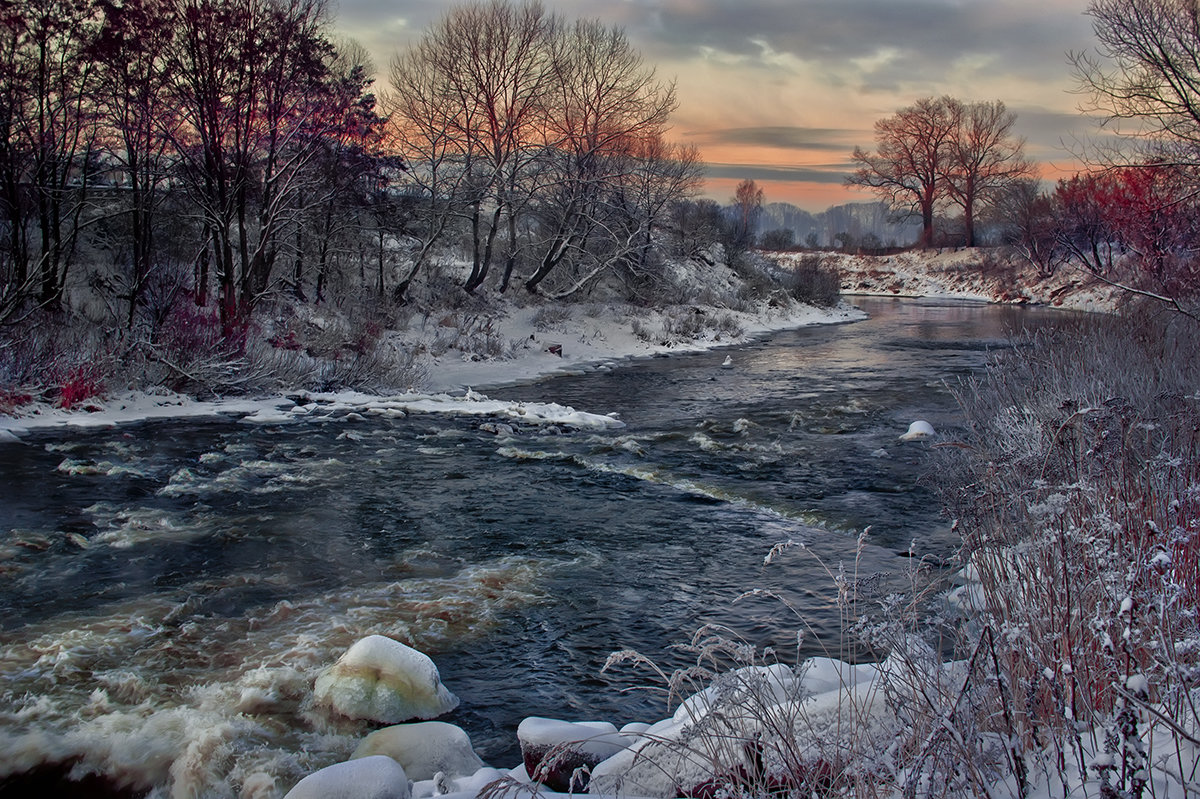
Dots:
{"x": 831, "y": 174}
{"x": 783, "y": 137}
{"x": 921, "y": 39}
{"x": 882, "y": 44}
{"x": 896, "y": 50}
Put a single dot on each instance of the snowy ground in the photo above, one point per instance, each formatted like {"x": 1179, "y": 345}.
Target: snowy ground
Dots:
{"x": 584, "y": 342}
{"x": 957, "y": 273}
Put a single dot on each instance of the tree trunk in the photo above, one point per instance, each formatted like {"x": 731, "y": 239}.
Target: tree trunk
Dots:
{"x": 479, "y": 275}
{"x": 380, "y": 231}
{"x": 510, "y": 261}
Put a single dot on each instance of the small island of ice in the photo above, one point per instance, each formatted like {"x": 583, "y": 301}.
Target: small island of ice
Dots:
{"x": 918, "y": 429}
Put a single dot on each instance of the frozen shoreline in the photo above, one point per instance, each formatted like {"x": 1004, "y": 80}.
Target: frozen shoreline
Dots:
{"x": 451, "y": 379}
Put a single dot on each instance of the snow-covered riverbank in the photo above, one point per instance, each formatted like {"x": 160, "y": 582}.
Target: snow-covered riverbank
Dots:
{"x": 573, "y": 342}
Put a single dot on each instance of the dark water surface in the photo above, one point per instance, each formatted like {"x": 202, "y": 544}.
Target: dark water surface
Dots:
{"x": 170, "y": 589}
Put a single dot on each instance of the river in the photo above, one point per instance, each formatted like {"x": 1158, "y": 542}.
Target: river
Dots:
{"x": 172, "y": 588}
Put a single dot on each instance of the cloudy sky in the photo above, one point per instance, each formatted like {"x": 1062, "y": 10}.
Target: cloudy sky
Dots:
{"x": 782, "y": 91}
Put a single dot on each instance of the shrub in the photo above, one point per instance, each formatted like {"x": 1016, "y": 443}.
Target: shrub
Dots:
{"x": 79, "y": 383}
{"x": 11, "y": 399}
{"x": 551, "y": 316}
{"x": 815, "y": 283}
{"x": 1077, "y": 496}
{"x": 779, "y": 239}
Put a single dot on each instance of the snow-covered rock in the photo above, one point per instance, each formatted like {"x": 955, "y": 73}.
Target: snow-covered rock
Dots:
{"x": 377, "y": 777}
{"x": 424, "y": 749}
{"x": 383, "y": 680}
{"x": 554, "y": 749}
{"x": 918, "y": 429}
{"x": 705, "y": 742}
{"x": 467, "y": 787}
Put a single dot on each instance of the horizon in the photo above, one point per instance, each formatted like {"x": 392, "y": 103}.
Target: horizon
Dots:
{"x": 782, "y": 93}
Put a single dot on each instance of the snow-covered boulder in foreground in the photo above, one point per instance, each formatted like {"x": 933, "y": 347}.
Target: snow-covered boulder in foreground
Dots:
{"x": 424, "y": 749}
{"x": 918, "y": 429}
{"x": 377, "y": 777}
{"x": 379, "y": 679}
{"x": 553, "y": 749}
{"x": 704, "y": 744}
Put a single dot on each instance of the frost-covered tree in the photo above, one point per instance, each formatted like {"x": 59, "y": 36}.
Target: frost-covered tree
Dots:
{"x": 908, "y": 166}
{"x": 538, "y": 138}
{"x": 943, "y": 151}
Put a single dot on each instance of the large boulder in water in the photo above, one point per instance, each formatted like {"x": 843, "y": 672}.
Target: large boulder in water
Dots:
{"x": 382, "y": 680}
{"x": 376, "y": 777}
{"x": 424, "y": 749}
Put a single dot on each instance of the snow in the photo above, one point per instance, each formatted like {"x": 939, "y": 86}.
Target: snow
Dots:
{"x": 424, "y": 749}
{"x": 956, "y": 274}
{"x": 377, "y": 777}
{"x": 598, "y": 739}
{"x": 591, "y": 340}
{"x": 918, "y": 429}
{"x": 384, "y": 680}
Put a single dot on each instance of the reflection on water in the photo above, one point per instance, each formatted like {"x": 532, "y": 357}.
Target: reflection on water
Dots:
{"x": 172, "y": 588}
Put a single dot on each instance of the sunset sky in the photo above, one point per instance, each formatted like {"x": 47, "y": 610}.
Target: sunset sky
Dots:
{"x": 781, "y": 91}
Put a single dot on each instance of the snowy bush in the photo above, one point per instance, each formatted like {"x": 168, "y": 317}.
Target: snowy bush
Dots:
{"x": 1078, "y": 498}
{"x": 814, "y": 282}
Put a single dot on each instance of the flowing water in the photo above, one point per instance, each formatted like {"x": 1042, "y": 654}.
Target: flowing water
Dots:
{"x": 171, "y": 589}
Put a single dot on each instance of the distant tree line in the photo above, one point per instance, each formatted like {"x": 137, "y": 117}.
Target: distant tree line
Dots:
{"x": 223, "y": 151}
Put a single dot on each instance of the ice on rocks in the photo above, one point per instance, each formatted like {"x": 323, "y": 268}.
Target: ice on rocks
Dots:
{"x": 424, "y": 749}
{"x": 681, "y": 756}
{"x": 382, "y": 680}
{"x": 822, "y": 674}
{"x": 917, "y": 430}
{"x": 553, "y": 750}
{"x": 465, "y": 787}
{"x": 377, "y": 777}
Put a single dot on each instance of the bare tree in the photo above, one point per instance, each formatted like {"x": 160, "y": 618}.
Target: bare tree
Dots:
{"x": 130, "y": 50}
{"x": 257, "y": 95}
{"x": 1145, "y": 74}
{"x": 1030, "y": 226}
{"x": 605, "y": 102}
{"x": 511, "y": 122}
{"x": 663, "y": 174}
{"x": 50, "y": 134}
{"x": 469, "y": 110}
{"x": 983, "y": 157}
{"x": 910, "y": 160}
{"x": 747, "y": 205}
